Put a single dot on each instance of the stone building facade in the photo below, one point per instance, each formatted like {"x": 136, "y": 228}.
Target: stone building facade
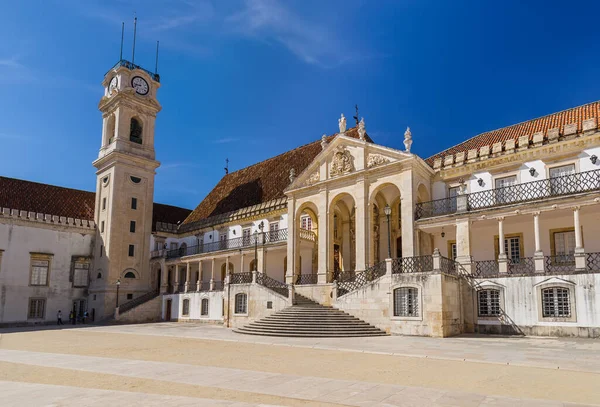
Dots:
{"x": 493, "y": 235}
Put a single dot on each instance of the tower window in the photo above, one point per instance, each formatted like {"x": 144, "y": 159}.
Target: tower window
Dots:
{"x": 135, "y": 180}
{"x": 131, "y": 250}
{"x": 103, "y": 203}
{"x": 101, "y": 250}
{"x": 133, "y": 203}
{"x": 132, "y": 226}
{"x": 135, "y": 131}
{"x": 102, "y": 227}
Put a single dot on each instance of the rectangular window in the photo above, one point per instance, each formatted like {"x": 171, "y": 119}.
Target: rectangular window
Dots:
{"x": 564, "y": 243}
{"x": 131, "y": 250}
{"x": 37, "y": 307}
{"x": 103, "y": 203}
{"x": 186, "y": 308}
{"x": 246, "y": 236}
{"x": 453, "y": 251}
{"x": 132, "y": 226}
{"x": 133, "y": 203}
{"x": 406, "y": 302}
{"x": 102, "y": 227}
{"x": 130, "y": 296}
{"x": 273, "y": 231}
{"x": 504, "y": 191}
{"x": 512, "y": 248}
{"x": 101, "y": 250}
{"x": 560, "y": 181}
{"x": 306, "y": 222}
{"x": 556, "y": 302}
{"x": 204, "y": 307}
{"x": 40, "y": 266}
{"x": 241, "y": 303}
{"x": 80, "y": 274}
{"x": 489, "y": 303}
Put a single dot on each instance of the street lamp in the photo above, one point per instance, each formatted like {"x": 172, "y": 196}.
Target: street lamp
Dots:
{"x": 388, "y": 211}
{"x": 118, "y": 285}
{"x": 261, "y": 226}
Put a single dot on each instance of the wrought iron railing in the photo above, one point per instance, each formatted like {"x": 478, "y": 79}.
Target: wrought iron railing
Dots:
{"x": 131, "y": 66}
{"x": 560, "y": 263}
{"x": 204, "y": 286}
{"x": 137, "y": 301}
{"x": 484, "y": 268}
{"x": 530, "y": 191}
{"x": 272, "y": 284}
{"x": 523, "y": 265}
{"x": 158, "y": 253}
{"x": 415, "y": 264}
{"x": 227, "y": 244}
{"x": 218, "y": 285}
{"x": 301, "y": 279}
{"x": 592, "y": 261}
{"x": 240, "y": 278}
{"x": 448, "y": 266}
{"x": 350, "y": 281}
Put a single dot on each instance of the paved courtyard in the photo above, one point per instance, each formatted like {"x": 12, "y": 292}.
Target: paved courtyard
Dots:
{"x": 204, "y": 365}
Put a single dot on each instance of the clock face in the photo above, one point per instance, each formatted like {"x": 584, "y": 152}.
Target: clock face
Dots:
{"x": 140, "y": 85}
{"x": 114, "y": 82}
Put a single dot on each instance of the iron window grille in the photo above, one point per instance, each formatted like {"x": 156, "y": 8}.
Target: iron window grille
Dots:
{"x": 241, "y": 303}
{"x": 406, "y": 302}
{"x": 488, "y": 303}
{"x": 556, "y": 302}
{"x": 186, "y": 307}
{"x": 204, "y": 307}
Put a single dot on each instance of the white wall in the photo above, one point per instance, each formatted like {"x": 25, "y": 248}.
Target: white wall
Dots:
{"x": 18, "y": 241}
{"x": 215, "y": 306}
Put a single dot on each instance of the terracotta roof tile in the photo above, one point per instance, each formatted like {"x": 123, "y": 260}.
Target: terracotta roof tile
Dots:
{"x": 560, "y": 119}
{"x": 70, "y": 203}
{"x": 258, "y": 183}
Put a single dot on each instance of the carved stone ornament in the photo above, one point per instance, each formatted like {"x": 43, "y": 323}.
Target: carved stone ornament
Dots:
{"x": 314, "y": 178}
{"x": 407, "y": 139}
{"x": 361, "y": 129}
{"x": 341, "y": 163}
{"x": 342, "y": 123}
{"x": 373, "y": 160}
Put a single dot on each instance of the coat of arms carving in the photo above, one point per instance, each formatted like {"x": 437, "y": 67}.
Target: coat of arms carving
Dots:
{"x": 314, "y": 178}
{"x": 341, "y": 163}
{"x": 376, "y": 159}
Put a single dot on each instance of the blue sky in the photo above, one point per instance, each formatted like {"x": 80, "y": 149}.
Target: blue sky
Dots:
{"x": 249, "y": 79}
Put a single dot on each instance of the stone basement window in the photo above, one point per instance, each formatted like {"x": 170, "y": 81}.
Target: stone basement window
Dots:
{"x": 241, "y": 303}
{"x": 406, "y": 302}
{"x": 204, "y": 307}
{"x": 556, "y": 302}
{"x": 186, "y": 308}
{"x": 37, "y": 306}
{"x": 488, "y": 302}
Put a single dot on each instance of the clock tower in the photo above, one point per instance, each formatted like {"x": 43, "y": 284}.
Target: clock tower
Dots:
{"x": 126, "y": 167}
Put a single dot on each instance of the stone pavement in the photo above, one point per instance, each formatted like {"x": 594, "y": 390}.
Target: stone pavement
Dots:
{"x": 70, "y": 378}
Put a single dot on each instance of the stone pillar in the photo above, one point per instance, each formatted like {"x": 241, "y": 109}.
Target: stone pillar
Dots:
{"x": 437, "y": 259}
{"x": 538, "y": 255}
{"x": 407, "y": 214}
{"x": 463, "y": 244}
{"x": 176, "y": 288}
{"x": 200, "y": 275}
{"x": 388, "y": 267}
{"x": 292, "y": 245}
{"x": 260, "y": 266}
{"x": 323, "y": 238}
{"x": 227, "y": 271}
{"x": 212, "y": 275}
{"x": 579, "y": 250}
{"x": 241, "y": 262}
{"x": 164, "y": 276}
{"x": 187, "y": 277}
{"x": 346, "y": 245}
{"x": 361, "y": 199}
{"x": 502, "y": 257}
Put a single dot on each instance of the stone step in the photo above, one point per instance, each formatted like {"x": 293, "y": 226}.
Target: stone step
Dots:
{"x": 311, "y": 329}
{"x": 310, "y": 335}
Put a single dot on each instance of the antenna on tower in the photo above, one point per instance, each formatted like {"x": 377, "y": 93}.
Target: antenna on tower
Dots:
{"x": 156, "y": 65}
{"x": 134, "y": 31}
{"x": 122, "y": 33}
{"x": 226, "y": 166}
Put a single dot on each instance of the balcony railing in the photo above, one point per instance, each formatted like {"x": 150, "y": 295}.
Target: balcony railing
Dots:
{"x": 592, "y": 261}
{"x": 307, "y": 235}
{"x": 227, "y": 244}
{"x": 415, "y": 264}
{"x": 523, "y": 265}
{"x": 241, "y": 278}
{"x": 560, "y": 263}
{"x": 529, "y": 191}
{"x": 302, "y": 279}
{"x": 132, "y": 66}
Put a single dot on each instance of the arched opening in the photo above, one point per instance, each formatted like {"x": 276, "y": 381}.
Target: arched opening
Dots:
{"x": 135, "y": 131}
{"x": 307, "y": 230}
{"x": 342, "y": 236}
{"x": 224, "y": 270}
{"x": 129, "y": 274}
{"x": 110, "y": 129}
{"x": 253, "y": 265}
{"x": 385, "y": 231}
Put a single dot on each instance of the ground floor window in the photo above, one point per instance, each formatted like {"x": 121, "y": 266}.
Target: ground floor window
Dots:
{"x": 556, "y": 302}
{"x": 204, "y": 307}
{"x": 241, "y": 303}
{"x": 406, "y": 300}
{"x": 186, "y": 307}
{"x": 488, "y": 303}
{"x": 37, "y": 307}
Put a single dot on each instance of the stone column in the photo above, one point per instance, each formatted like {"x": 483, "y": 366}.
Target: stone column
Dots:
{"x": 407, "y": 214}
{"x": 200, "y": 275}
{"x": 579, "y": 250}
{"x": 323, "y": 238}
{"x": 212, "y": 275}
{"x": 292, "y": 241}
{"x": 227, "y": 271}
{"x": 346, "y": 245}
{"x": 176, "y": 288}
{"x": 187, "y": 277}
{"x": 260, "y": 266}
{"x": 241, "y": 262}
{"x": 164, "y": 276}
{"x": 538, "y": 256}
{"x": 502, "y": 257}
{"x": 463, "y": 244}
{"x": 361, "y": 199}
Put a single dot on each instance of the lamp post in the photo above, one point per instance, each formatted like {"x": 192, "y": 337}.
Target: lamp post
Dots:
{"x": 388, "y": 211}
{"x": 118, "y": 285}
{"x": 261, "y": 225}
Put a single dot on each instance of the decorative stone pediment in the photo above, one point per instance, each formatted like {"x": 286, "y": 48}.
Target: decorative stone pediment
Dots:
{"x": 313, "y": 178}
{"x": 341, "y": 163}
{"x": 373, "y": 160}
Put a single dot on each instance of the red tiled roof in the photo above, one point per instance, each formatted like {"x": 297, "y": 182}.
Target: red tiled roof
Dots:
{"x": 258, "y": 183}
{"x": 574, "y": 115}
{"x": 71, "y": 203}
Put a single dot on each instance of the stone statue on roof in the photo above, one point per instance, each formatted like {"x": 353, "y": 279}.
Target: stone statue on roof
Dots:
{"x": 407, "y": 139}
{"x": 324, "y": 141}
{"x": 361, "y": 129}
{"x": 342, "y": 123}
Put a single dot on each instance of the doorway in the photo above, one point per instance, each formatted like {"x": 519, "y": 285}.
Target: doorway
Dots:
{"x": 158, "y": 280}
{"x": 169, "y": 283}
{"x": 168, "y": 310}
{"x": 399, "y": 247}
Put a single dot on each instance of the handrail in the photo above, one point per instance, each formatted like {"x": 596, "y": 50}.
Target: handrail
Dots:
{"x": 351, "y": 281}
{"x": 137, "y": 301}
{"x": 272, "y": 284}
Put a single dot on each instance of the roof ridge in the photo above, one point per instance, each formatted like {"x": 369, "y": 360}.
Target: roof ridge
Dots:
{"x": 512, "y": 125}
{"x": 50, "y": 185}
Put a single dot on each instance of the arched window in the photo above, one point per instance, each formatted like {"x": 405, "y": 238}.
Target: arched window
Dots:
{"x": 253, "y": 264}
{"x": 488, "y": 303}
{"x": 224, "y": 270}
{"x": 135, "y": 131}
{"x": 204, "y": 307}
{"x": 406, "y": 302}
{"x": 129, "y": 274}
{"x": 556, "y": 302}
{"x": 241, "y": 303}
{"x": 110, "y": 129}
{"x": 186, "y": 308}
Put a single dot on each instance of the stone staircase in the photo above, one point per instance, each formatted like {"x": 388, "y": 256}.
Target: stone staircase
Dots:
{"x": 307, "y": 318}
